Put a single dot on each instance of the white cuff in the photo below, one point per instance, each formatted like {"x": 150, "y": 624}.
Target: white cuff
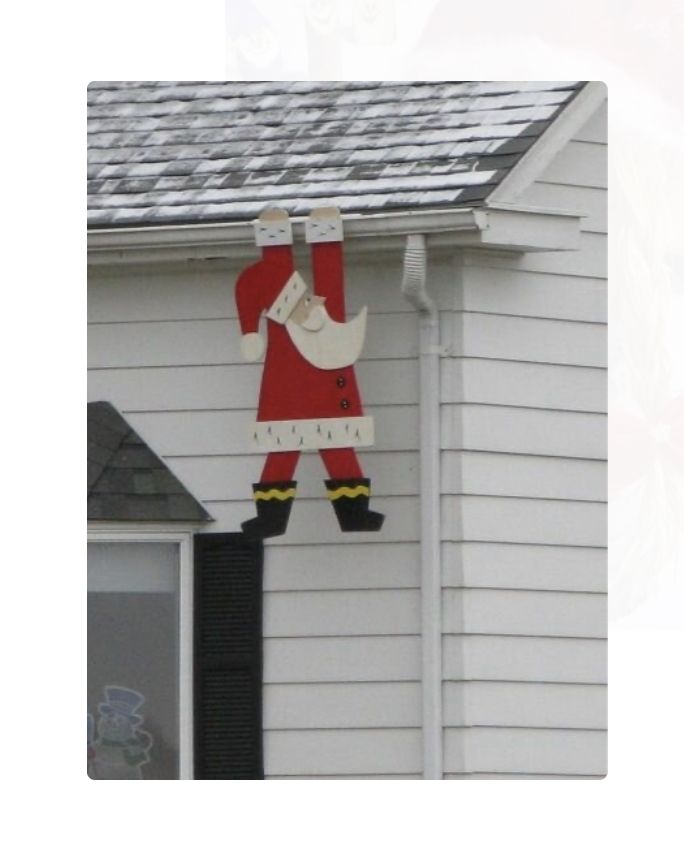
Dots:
{"x": 252, "y": 346}
{"x": 289, "y": 296}
{"x": 324, "y": 225}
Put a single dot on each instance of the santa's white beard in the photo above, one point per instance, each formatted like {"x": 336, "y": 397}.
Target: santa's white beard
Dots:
{"x": 332, "y": 344}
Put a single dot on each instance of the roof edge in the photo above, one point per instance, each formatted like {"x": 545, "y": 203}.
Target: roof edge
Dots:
{"x": 131, "y": 528}
{"x": 533, "y": 163}
{"x": 238, "y": 232}
{"x": 447, "y": 228}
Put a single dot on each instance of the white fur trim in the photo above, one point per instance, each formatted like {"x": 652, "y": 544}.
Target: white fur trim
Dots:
{"x": 273, "y": 228}
{"x": 289, "y": 296}
{"x": 297, "y": 435}
{"x": 252, "y": 346}
{"x": 324, "y": 226}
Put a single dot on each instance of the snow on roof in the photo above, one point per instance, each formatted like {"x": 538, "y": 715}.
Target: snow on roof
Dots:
{"x": 189, "y": 152}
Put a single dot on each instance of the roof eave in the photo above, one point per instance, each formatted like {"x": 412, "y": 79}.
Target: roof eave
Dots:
{"x": 547, "y": 146}
{"x": 506, "y": 228}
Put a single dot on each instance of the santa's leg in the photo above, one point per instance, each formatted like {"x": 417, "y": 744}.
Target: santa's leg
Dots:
{"x": 273, "y": 496}
{"x": 349, "y": 492}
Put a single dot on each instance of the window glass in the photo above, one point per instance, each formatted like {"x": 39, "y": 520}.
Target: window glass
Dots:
{"x": 133, "y": 626}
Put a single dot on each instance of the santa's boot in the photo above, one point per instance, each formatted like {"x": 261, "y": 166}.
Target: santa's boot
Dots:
{"x": 273, "y": 504}
{"x": 350, "y": 499}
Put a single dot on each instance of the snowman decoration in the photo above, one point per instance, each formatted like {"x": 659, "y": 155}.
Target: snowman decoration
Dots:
{"x": 121, "y": 748}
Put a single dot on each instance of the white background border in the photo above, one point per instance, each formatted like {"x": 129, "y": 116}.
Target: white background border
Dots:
{"x": 52, "y": 52}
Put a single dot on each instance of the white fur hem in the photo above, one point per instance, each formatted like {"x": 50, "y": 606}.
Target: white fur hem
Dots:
{"x": 298, "y": 435}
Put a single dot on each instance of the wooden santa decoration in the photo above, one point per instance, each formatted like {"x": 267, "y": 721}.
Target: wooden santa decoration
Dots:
{"x": 309, "y": 399}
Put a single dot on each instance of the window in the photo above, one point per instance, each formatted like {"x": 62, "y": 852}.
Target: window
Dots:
{"x": 139, "y": 656}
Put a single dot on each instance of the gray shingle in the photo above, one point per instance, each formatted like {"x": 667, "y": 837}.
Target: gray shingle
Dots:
{"x": 185, "y": 152}
{"x": 126, "y": 480}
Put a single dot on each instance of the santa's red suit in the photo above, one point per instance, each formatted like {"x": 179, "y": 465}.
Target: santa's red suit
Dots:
{"x": 302, "y": 407}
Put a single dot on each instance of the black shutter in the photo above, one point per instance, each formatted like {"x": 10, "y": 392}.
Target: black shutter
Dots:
{"x": 228, "y": 657}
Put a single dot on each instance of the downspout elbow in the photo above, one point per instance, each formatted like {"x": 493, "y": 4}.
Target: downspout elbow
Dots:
{"x": 415, "y": 275}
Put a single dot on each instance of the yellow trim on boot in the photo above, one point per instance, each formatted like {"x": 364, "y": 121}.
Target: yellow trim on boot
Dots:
{"x": 274, "y": 494}
{"x": 348, "y": 491}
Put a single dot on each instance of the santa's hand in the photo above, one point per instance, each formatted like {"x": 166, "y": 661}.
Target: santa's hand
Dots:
{"x": 252, "y": 346}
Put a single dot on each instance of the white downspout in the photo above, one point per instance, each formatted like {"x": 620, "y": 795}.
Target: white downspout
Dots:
{"x": 413, "y": 288}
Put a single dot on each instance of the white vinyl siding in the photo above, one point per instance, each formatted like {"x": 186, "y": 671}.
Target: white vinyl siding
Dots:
{"x": 524, "y": 495}
{"x": 525, "y": 750}
{"x": 524, "y": 658}
{"x": 341, "y": 611}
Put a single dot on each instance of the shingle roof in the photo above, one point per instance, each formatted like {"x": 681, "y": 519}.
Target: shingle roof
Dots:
{"x": 126, "y": 480}
{"x": 186, "y": 152}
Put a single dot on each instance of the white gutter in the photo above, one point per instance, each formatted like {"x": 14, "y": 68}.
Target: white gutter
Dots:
{"x": 509, "y": 228}
{"x": 236, "y": 239}
{"x": 235, "y": 233}
{"x": 413, "y": 288}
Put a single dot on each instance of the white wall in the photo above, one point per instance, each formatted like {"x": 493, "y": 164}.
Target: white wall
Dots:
{"x": 524, "y": 512}
{"x": 341, "y": 625}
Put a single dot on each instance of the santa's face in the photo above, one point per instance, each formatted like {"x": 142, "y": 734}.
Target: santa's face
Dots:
{"x": 310, "y": 312}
